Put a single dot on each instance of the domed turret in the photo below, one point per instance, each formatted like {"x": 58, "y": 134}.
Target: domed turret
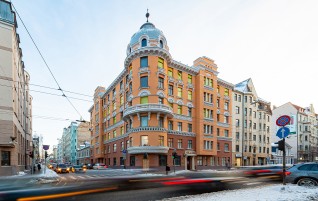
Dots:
{"x": 147, "y": 36}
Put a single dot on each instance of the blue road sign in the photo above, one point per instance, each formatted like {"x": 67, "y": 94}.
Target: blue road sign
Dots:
{"x": 124, "y": 151}
{"x": 283, "y": 132}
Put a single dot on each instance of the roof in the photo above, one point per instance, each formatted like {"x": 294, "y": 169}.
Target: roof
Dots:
{"x": 149, "y": 30}
{"x": 242, "y": 86}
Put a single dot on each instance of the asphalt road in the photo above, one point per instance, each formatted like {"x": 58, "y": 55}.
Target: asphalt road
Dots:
{"x": 127, "y": 185}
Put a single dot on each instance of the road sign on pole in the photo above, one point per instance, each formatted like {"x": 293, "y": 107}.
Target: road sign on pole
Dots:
{"x": 283, "y": 120}
{"x": 283, "y": 132}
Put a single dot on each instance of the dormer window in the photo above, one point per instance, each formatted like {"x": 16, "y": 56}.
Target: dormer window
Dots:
{"x": 144, "y": 42}
{"x": 161, "y": 44}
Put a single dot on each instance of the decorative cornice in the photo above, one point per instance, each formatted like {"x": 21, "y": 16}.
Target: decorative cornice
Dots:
{"x": 148, "y": 108}
{"x": 148, "y": 149}
{"x": 224, "y": 138}
{"x": 225, "y": 83}
{"x": 115, "y": 82}
{"x": 183, "y": 67}
{"x": 116, "y": 138}
{"x": 201, "y": 67}
{"x": 190, "y": 134}
{"x": 182, "y": 117}
{"x": 113, "y": 126}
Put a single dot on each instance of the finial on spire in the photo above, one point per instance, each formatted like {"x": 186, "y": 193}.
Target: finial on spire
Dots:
{"x": 147, "y": 15}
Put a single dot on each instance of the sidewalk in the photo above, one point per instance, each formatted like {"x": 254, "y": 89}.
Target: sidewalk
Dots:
{"x": 27, "y": 177}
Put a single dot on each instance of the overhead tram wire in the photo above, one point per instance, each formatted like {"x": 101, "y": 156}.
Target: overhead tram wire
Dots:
{"x": 48, "y": 93}
{"x": 59, "y": 87}
{"x": 37, "y": 85}
{"x": 40, "y": 116}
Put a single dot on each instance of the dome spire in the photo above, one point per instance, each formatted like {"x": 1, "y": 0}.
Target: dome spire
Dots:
{"x": 147, "y": 15}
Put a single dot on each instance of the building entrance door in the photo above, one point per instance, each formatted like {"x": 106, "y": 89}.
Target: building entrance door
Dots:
{"x": 188, "y": 163}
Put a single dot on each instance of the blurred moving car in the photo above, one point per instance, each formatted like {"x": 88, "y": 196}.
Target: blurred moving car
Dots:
{"x": 98, "y": 166}
{"x": 78, "y": 169}
{"x": 90, "y": 166}
{"x": 265, "y": 170}
{"x": 305, "y": 174}
{"x": 62, "y": 168}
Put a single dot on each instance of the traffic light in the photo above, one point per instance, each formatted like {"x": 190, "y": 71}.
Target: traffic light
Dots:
{"x": 174, "y": 155}
{"x": 46, "y": 155}
{"x": 281, "y": 145}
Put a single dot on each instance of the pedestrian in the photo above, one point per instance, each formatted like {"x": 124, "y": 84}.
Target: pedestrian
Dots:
{"x": 39, "y": 166}
{"x": 167, "y": 169}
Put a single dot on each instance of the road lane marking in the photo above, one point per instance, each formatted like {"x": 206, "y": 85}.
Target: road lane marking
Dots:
{"x": 252, "y": 183}
{"x": 54, "y": 196}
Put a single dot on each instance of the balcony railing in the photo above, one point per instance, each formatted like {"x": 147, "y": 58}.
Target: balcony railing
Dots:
{"x": 164, "y": 109}
{"x": 133, "y": 130}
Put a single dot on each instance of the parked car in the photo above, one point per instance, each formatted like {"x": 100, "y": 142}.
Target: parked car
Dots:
{"x": 90, "y": 166}
{"x": 62, "y": 168}
{"x": 305, "y": 174}
{"x": 98, "y": 166}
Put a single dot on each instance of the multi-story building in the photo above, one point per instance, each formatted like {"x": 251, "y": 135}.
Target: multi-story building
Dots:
{"x": 60, "y": 151}
{"x": 277, "y": 155}
{"x": 303, "y": 128}
{"x": 74, "y": 135}
{"x": 251, "y": 118}
{"x": 157, "y": 106}
{"x": 96, "y": 111}
{"x": 84, "y": 154}
{"x": 15, "y": 100}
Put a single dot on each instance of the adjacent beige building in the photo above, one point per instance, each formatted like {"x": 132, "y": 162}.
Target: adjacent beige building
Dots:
{"x": 251, "y": 117}
{"x": 15, "y": 100}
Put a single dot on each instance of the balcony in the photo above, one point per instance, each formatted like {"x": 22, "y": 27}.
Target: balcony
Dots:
{"x": 140, "y": 129}
{"x": 153, "y": 108}
{"x": 148, "y": 149}
{"x": 225, "y": 125}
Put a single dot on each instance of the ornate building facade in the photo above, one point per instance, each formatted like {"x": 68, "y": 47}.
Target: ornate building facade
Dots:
{"x": 252, "y": 118}
{"x": 157, "y": 107}
{"x": 15, "y": 99}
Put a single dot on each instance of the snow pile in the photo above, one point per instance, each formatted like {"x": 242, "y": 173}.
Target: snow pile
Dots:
{"x": 21, "y": 173}
{"x": 289, "y": 192}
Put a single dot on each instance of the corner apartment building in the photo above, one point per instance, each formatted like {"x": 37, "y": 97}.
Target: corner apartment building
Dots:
{"x": 15, "y": 100}
{"x": 157, "y": 106}
{"x": 304, "y": 131}
{"x": 251, "y": 126}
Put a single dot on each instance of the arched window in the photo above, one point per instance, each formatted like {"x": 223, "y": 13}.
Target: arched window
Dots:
{"x": 161, "y": 44}
{"x": 144, "y": 42}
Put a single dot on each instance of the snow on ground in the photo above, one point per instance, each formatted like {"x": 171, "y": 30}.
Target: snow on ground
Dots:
{"x": 290, "y": 192}
{"x": 44, "y": 178}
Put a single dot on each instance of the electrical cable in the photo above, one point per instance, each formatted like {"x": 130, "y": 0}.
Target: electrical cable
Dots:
{"x": 48, "y": 93}
{"x": 37, "y": 85}
{"x": 59, "y": 87}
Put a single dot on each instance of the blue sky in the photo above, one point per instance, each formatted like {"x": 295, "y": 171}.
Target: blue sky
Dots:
{"x": 84, "y": 42}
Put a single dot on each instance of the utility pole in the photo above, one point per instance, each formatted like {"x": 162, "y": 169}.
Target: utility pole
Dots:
{"x": 284, "y": 163}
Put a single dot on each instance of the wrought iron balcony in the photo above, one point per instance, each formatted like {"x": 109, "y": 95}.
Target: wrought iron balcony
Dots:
{"x": 148, "y": 149}
{"x": 153, "y": 108}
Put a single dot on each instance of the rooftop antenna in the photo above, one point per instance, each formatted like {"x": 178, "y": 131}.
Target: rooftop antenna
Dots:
{"x": 147, "y": 15}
